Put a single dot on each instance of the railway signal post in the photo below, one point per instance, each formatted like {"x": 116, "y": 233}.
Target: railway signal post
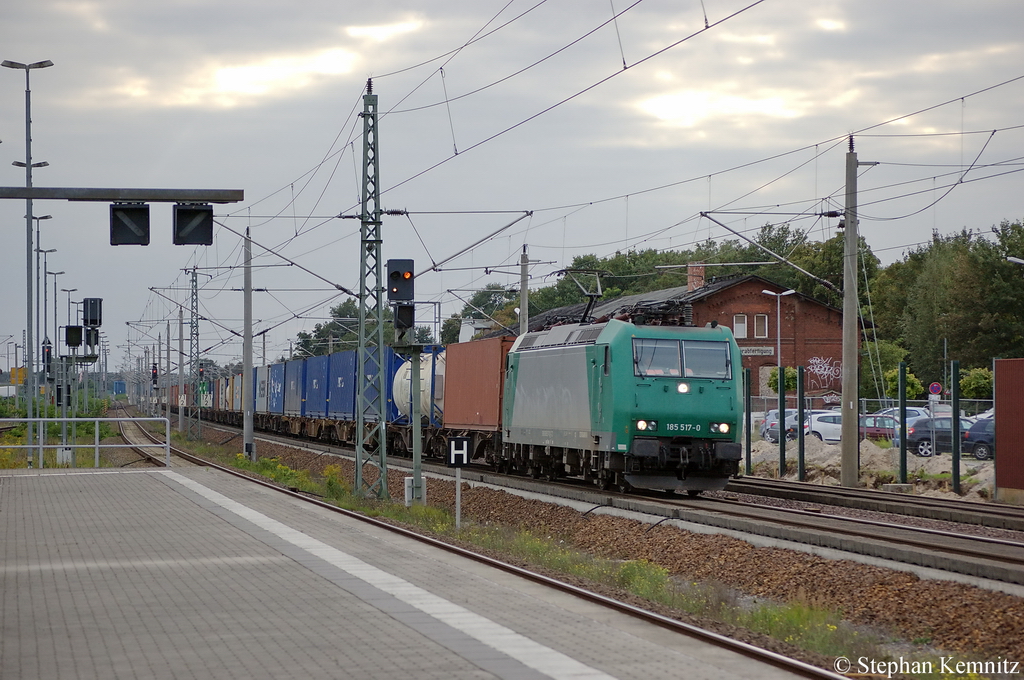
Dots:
{"x": 401, "y": 291}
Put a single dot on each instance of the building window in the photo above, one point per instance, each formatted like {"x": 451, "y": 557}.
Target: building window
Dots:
{"x": 760, "y": 325}
{"x": 739, "y": 326}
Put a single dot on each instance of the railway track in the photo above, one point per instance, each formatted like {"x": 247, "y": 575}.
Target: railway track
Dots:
{"x": 798, "y": 668}
{"x": 955, "y": 551}
{"x": 151, "y": 447}
{"x": 963, "y": 512}
{"x": 995, "y": 558}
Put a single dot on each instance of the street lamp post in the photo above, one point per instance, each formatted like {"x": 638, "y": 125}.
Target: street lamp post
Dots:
{"x": 16, "y": 346}
{"x": 781, "y": 377}
{"x": 56, "y": 323}
{"x": 69, "y": 291}
{"x": 46, "y": 311}
{"x": 29, "y": 341}
{"x": 778, "y": 320}
{"x": 39, "y": 250}
{"x": 41, "y": 337}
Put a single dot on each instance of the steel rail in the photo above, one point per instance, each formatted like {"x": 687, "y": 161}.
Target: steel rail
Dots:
{"x": 751, "y": 651}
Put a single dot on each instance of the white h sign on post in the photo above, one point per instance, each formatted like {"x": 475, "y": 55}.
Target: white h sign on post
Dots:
{"x": 458, "y": 456}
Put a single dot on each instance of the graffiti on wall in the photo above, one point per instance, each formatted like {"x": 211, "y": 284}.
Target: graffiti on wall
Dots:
{"x": 823, "y": 373}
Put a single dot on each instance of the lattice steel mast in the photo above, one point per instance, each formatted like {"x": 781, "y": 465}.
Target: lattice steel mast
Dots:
{"x": 195, "y": 403}
{"x": 371, "y": 418}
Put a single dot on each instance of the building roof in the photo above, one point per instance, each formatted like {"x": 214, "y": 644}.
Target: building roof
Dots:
{"x": 572, "y": 313}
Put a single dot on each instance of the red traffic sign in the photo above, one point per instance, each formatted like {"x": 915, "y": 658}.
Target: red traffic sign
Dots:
{"x": 935, "y": 388}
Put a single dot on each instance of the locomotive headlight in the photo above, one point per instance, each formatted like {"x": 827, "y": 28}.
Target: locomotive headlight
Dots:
{"x": 683, "y": 388}
{"x": 720, "y": 428}
{"x": 647, "y": 425}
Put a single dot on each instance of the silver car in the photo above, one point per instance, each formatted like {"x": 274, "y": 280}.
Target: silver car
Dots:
{"x": 913, "y": 413}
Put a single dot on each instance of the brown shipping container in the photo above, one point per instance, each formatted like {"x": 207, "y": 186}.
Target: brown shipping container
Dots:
{"x": 474, "y": 380}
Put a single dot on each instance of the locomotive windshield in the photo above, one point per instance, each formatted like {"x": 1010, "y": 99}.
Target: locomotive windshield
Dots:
{"x": 656, "y": 357}
{"x": 692, "y": 358}
{"x": 707, "y": 359}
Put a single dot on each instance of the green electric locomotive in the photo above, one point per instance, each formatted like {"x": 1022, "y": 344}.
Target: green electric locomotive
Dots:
{"x": 625, "y": 404}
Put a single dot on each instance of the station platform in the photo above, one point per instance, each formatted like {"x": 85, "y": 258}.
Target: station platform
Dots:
{"x": 194, "y": 573}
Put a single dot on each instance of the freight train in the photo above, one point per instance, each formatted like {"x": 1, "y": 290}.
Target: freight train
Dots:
{"x": 635, "y": 401}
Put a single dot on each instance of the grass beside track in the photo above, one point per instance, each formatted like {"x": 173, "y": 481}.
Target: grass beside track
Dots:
{"x": 820, "y": 631}
{"x": 796, "y": 623}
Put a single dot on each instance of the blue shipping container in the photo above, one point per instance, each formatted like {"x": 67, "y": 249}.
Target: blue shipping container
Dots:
{"x": 318, "y": 386}
{"x": 343, "y": 386}
{"x": 276, "y": 395}
{"x": 295, "y": 387}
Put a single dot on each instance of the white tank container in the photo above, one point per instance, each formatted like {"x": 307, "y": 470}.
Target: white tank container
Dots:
{"x": 402, "y": 384}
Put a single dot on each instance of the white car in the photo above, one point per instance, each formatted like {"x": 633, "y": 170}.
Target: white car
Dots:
{"x": 825, "y": 425}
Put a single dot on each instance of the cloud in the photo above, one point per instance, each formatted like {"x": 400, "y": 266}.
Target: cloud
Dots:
{"x": 220, "y": 85}
{"x": 689, "y": 108}
{"x": 385, "y": 32}
{"x": 830, "y": 25}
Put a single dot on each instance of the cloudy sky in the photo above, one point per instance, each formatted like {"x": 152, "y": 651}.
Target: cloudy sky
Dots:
{"x": 616, "y": 123}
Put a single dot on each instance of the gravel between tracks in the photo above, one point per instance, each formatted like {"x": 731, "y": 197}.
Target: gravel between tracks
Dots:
{"x": 953, "y": 617}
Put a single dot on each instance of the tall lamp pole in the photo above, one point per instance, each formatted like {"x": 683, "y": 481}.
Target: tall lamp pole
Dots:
{"x": 56, "y": 322}
{"x": 46, "y": 311}
{"x": 32, "y": 392}
{"x": 781, "y": 377}
{"x": 778, "y": 321}
{"x": 69, "y": 291}
{"x": 38, "y": 250}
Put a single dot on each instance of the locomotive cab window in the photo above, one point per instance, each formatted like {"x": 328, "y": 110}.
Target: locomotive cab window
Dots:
{"x": 707, "y": 359}
{"x": 675, "y": 358}
{"x": 656, "y": 357}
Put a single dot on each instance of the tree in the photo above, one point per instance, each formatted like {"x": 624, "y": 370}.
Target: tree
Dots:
{"x": 790, "y": 379}
{"x": 486, "y": 302}
{"x": 450, "y": 329}
{"x": 342, "y": 332}
{"x": 976, "y": 384}
{"x": 966, "y": 301}
{"x": 914, "y": 388}
{"x": 879, "y": 358}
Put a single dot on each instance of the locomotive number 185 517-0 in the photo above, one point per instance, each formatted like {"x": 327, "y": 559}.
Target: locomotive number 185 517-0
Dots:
{"x": 683, "y": 427}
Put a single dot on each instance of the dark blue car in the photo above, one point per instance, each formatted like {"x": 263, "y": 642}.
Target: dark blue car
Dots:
{"x": 980, "y": 440}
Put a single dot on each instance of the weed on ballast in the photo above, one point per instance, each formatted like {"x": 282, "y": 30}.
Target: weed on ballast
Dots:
{"x": 798, "y": 623}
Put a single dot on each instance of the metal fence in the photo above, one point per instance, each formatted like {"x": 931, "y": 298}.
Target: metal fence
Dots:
{"x": 759, "y": 405}
{"x": 66, "y": 450}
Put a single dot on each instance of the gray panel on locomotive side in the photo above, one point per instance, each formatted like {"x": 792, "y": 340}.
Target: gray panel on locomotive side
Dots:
{"x": 552, "y": 391}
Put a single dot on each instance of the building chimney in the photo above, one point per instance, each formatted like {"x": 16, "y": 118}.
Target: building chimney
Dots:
{"x": 694, "y": 276}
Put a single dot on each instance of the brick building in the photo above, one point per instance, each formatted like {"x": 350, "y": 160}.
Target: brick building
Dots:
{"x": 811, "y": 331}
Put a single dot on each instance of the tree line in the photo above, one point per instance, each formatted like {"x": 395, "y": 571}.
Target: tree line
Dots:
{"x": 955, "y": 297}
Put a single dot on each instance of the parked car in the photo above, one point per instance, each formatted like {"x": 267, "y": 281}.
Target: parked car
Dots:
{"x": 931, "y": 435}
{"x": 878, "y": 427}
{"x": 913, "y": 413}
{"x": 980, "y": 440}
{"x": 771, "y": 432}
{"x": 828, "y": 426}
{"x": 771, "y": 422}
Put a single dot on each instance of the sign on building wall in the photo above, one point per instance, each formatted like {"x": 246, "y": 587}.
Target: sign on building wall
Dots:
{"x": 757, "y": 351}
